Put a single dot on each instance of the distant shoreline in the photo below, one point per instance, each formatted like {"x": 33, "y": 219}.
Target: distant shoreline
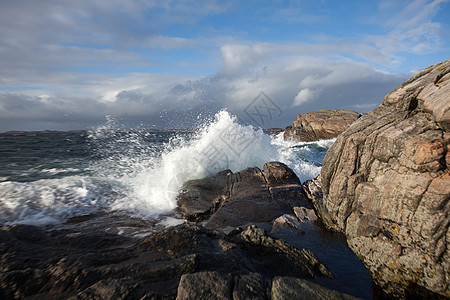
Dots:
{"x": 113, "y": 130}
{"x": 119, "y": 130}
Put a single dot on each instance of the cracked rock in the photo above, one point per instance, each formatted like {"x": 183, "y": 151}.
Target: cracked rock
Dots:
{"x": 386, "y": 185}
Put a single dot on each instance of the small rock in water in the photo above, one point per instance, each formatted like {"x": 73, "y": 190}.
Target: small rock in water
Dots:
{"x": 305, "y": 214}
{"x": 286, "y": 220}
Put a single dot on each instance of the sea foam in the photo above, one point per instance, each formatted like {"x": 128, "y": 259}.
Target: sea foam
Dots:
{"x": 304, "y": 158}
{"x": 47, "y": 201}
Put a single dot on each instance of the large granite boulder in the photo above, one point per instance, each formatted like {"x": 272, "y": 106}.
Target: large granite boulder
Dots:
{"x": 229, "y": 200}
{"x": 319, "y": 125}
{"x": 386, "y": 184}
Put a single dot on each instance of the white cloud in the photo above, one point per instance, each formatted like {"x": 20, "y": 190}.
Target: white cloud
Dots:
{"x": 411, "y": 29}
{"x": 305, "y": 95}
{"x": 240, "y": 57}
{"x": 48, "y": 49}
{"x": 144, "y": 96}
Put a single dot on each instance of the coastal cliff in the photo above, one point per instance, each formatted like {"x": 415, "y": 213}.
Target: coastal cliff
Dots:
{"x": 386, "y": 185}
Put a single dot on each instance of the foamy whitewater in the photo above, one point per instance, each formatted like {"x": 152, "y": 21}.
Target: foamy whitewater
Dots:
{"x": 47, "y": 178}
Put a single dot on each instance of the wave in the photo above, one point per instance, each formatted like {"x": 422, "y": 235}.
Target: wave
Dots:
{"x": 140, "y": 173}
{"x": 220, "y": 144}
{"x": 48, "y": 201}
{"x": 304, "y": 158}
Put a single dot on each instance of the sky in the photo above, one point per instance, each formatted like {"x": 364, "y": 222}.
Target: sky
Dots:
{"x": 171, "y": 64}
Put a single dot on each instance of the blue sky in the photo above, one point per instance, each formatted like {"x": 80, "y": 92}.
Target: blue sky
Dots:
{"x": 68, "y": 64}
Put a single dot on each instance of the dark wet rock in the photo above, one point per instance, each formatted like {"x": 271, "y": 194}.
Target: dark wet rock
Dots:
{"x": 51, "y": 265}
{"x": 95, "y": 240}
{"x": 26, "y": 233}
{"x": 250, "y": 196}
{"x": 319, "y": 125}
{"x": 199, "y": 198}
{"x": 276, "y": 173}
{"x": 204, "y": 285}
{"x": 303, "y": 259}
{"x": 295, "y": 288}
{"x": 386, "y": 185}
{"x": 111, "y": 289}
{"x": 250, "y": 286}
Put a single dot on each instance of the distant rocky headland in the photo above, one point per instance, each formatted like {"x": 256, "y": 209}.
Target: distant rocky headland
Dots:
{"x": 384, "y": 184}
{"x": 320, "y": 125}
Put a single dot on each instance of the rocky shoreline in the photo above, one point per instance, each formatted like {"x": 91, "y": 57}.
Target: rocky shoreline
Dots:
{"x": 232, "y": 253}
{"x": 384, "y": 185}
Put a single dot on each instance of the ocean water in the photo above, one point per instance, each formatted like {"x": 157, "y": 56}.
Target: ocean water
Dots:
{"x": 47, "y": 178}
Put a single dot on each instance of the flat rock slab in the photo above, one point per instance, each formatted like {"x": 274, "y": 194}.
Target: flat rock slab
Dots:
{"x": 303, "y": 259}
{"x": 204, "y": 285}
{"x": 295, "y": 288}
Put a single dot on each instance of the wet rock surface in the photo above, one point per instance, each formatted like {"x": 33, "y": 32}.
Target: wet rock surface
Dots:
{"x": 199, "y": 198}
{"x": 247, "y": 197}
{"x": 257, "y": 239}
{"x": 46, "y": 265}
{"x": 295, "y": 288}
{"x": 319, "y": 125}
{"x": 211, "y": 285}
{"x": 386, "y": 185}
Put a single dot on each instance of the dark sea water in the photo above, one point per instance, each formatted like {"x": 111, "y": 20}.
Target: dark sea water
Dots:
{"x": 126, "y": 182}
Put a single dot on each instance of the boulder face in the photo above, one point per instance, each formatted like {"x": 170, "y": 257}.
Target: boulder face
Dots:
{"x": 386, "y": 185}
{"x": 319, "y": 125}
{"x": 228, "y": 200}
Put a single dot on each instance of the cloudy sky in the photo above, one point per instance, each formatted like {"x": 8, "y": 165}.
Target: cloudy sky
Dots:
{"x": 167, "y": 64}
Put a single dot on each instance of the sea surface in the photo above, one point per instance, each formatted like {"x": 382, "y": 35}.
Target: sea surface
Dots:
{"x": 126, "y": 181}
